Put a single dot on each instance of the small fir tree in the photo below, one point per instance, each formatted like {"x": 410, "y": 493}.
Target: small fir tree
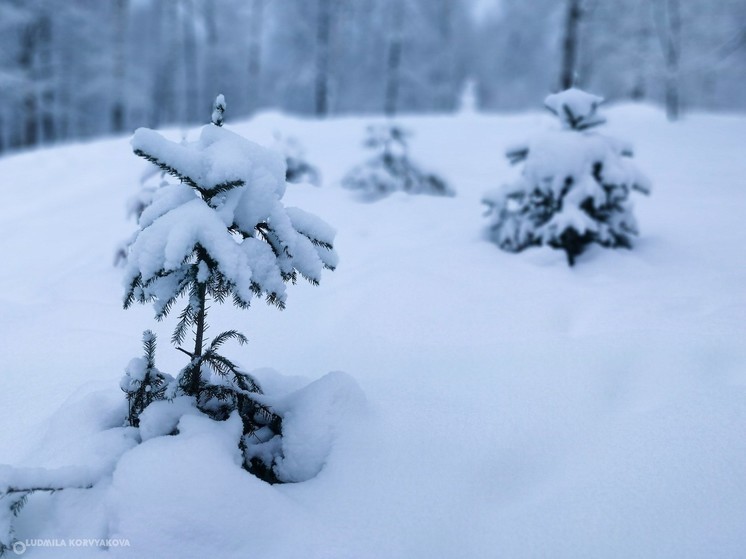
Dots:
{"x": 391, "y": 169}
{"x": 574, "y": 189}
{"x": 220, "y": 233}
{"x": 298, "y": 169}
{"x": 142, "y": 382}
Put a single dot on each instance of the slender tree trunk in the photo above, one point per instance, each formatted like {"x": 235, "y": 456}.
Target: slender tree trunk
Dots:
{"x": 570, "y": 39}
{"x": 119, "y": 109}
{"x": 156, "y": 102}
{"x": 164, "y": 100}
{"x": 26, "y": 56}
{"x": 43, "y": 76}
{"x": 445, "y": 99}
{"x": 62, "y": 78}
{"x": 642, "y": 35}
{"x": 323, "y": 32}
{"x": 394, "y": 57}
{"x": 255, "y": 53}
{"x": 211, "y": 86}
{"x": 191, "y": 77}
{"x": 198, "y": 339}
{"x": 667, "y": 16}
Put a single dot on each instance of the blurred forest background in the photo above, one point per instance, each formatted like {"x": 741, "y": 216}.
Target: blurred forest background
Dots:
{"x": 81, "y": 68}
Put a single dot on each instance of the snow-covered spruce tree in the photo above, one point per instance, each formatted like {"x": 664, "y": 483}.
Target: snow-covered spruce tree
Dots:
{"x": 298, "y": 169}
{"x": 220, "y": 233}
{"x": 391, "y": 169}
{"x": 574, "y": 189}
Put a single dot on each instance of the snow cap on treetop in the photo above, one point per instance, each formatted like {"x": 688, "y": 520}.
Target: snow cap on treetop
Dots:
{"x": 218, "y": 108}
{"x": 575, "y": 108}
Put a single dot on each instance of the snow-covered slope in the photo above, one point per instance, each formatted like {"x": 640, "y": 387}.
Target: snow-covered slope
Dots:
{"x": 515, "y": 407}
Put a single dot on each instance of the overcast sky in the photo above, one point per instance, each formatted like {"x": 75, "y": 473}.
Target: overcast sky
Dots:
{"x": 484, "y": 7}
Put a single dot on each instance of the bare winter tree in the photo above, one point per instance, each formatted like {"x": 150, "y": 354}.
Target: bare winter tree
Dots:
{"x": 615, "y": 49}
{"x": 394, "y": 49}
{"x": 444, "y": 74}
{"x": 210, "y": 85}
{"x": 191, "y": 102}
{"x": 256, "y": 25}
{"x": 119, "y": 77}
{"x": 323, "y": 35}
{"x": 164, "y": 77}
{"x": 29, "y": 45}
{"x": 667, "y": 14}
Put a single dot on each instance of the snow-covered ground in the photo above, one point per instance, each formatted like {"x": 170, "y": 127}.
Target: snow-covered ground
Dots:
{"x": 515, "y": 407}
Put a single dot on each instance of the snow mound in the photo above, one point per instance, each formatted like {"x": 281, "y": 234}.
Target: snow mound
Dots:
{"x": 163, "y": 416}
{"x": 311, "y": 419}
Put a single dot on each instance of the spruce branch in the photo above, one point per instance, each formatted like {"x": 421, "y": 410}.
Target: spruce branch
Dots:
{"x": 571, "y": 118}
{"x": 223, "y": 187}
{"x": 223, "y": 337}
{"x": 317, "y": 242}
{"x": 517, "y": 155}
{"x": 187, "y": 318}
{"x": 309, "y": 279}
{"x": 219, "y": 363}
{"x": 168, "y": 169}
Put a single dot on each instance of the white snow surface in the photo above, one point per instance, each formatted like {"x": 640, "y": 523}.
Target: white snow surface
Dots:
{"x": 516, "y": 407}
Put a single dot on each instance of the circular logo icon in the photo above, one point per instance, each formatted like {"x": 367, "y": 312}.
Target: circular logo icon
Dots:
{"x": 19, "y": 548}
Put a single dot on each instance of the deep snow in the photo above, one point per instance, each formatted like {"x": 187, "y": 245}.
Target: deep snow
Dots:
{"x": 515, "y": 407}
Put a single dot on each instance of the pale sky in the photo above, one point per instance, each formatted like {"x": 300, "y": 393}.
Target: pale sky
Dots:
{"x": 484, "y": 7}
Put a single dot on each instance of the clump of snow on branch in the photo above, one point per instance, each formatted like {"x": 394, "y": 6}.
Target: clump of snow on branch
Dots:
{"x": 228, "y": 203}
{"x": 218, "y": 108}
{"x": 575, "y": 108}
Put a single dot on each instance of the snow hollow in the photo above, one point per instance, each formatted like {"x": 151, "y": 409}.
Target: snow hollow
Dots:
{"x": 509, "y": 406}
